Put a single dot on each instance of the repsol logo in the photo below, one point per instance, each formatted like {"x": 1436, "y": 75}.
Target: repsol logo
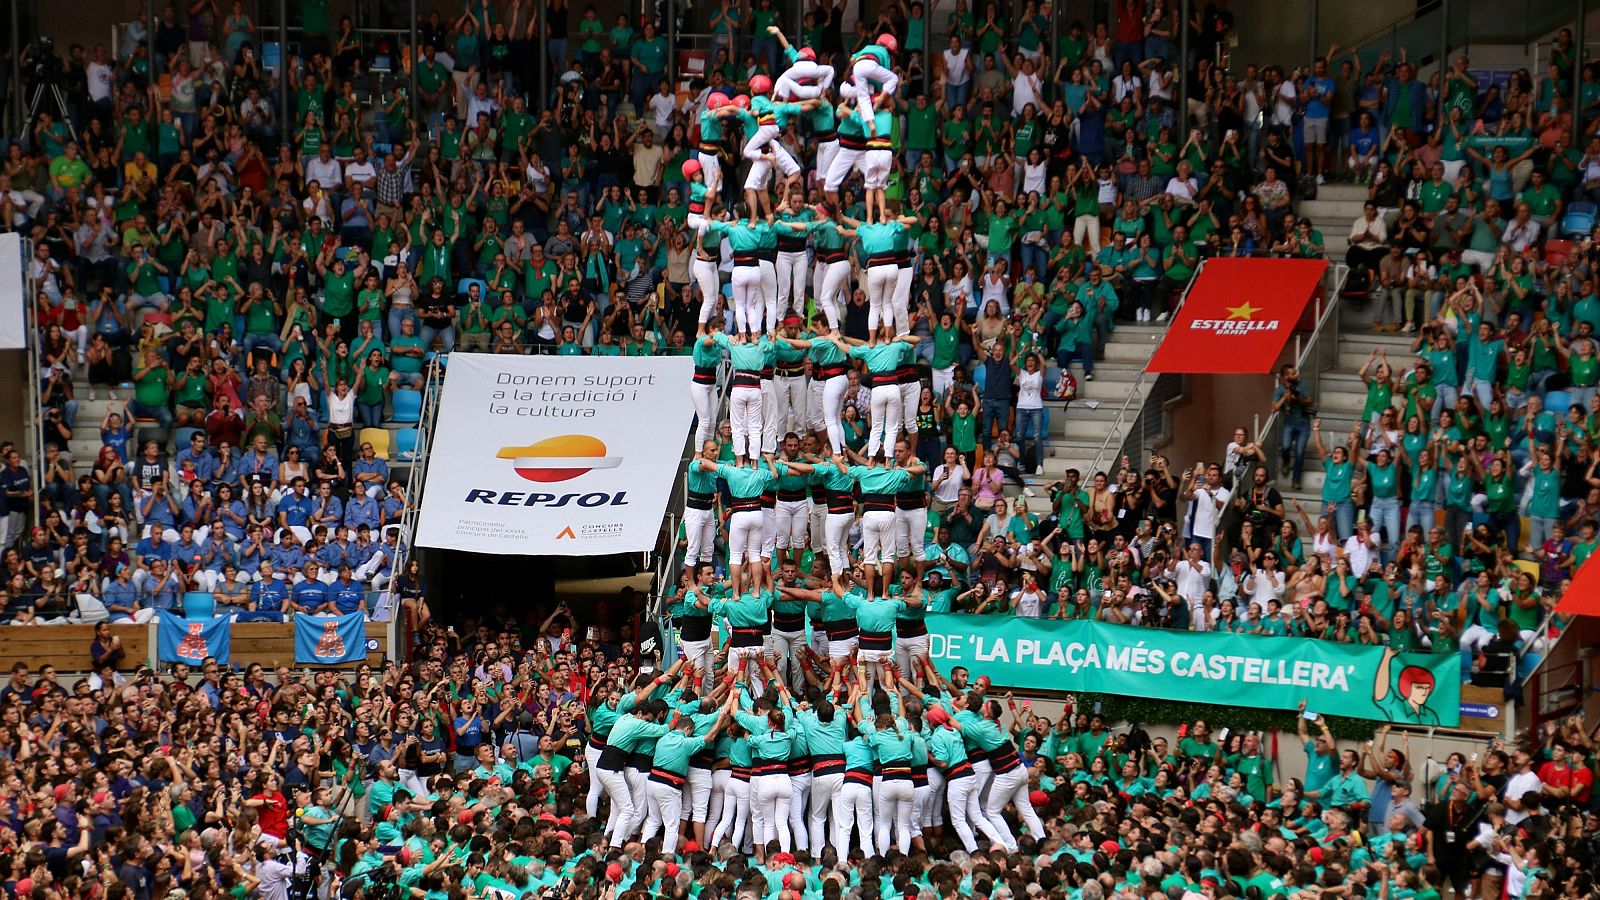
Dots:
{"x": 550, "y": 501}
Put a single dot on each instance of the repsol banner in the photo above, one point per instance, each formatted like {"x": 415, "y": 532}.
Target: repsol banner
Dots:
{"x": 555, "y": 455}
{"x": 1202, "y": 667}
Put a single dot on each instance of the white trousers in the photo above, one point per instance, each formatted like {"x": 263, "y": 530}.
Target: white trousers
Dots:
{"x": 700, "y": 535}
{"x": 826, "y": 151}
{"x": 591, "y": 759}
{"x": 769, "y": 293}
{"x": 697, "y": 795}
{"x": 735, "y": 811}
{"x": 705, "y": 412}
{"x": 844, "y": 162}
{"x": 838, "y": 530}
{"x": 771, "y": 415}
{"x": 900, "y": 301}
{"x": 910, "y": 400}
{"x": 892, "y": 801}
{"x": 666, "y": 812}
{"x": 791, "y": 272}
{"x": 805, "y": 79}
{"x": 616, "y": 788}
{"x": 704, "y": 273}
{"x": 880, "y": 291}
{"x": 786, "y": 649}
{"x": 830, "y": 282}
{"x": 744, "y": 536}
{"x": 1011, "y": 787}
{"x": 771, "y": 797}
{"x": 769, "y": 532}
{"x": 855, "y": 811}
{"x": 863, "y": 73}
{"x": 747, "y": 304}
{"x": 966, "y": 813}
{"x": 801, "y": 785}
{"x": 825, "y": 802}
{"x": 711, "y": 171}
{"x": 791, "y": 412}
{"x": 877, "y": 537}
{"x": 884, "y": 427}
{"x": 911, "y": 529}
{"x": 831, "y": 411}
{"x": 793, "y": 517}
{"x": 744, "y": 414}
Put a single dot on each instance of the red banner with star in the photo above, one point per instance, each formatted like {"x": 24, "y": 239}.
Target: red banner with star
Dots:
{"x": 1238, "y": 316}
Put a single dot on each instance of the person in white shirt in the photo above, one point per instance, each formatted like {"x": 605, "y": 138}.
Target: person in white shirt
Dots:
{"x": 957, "y": 73}
{"x": 1193, "y": 577}
{"x": 1524, "y": 781}
{"x": 1182, "y": 186}
{"x": 1026, "y": 87}
{"x": 663, "y": 106}
{"x": 1210, "y": 498}
{"x": 325, "y": 170}
{"x": 1522, "y": 231}
{"x": 360, "y": 170}
{"x": 1361, "y": 549}
{"x": 1266, "y": 582}
{"x": 101, "y": 78}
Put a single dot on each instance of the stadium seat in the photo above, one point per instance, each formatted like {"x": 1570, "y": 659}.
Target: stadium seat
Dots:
{"x": 1555, "y": 252}
{"x": 405, "y": 444}
{"x": 407, "y": 406}
{"x": 1557, "y": 402}
{"x": 180, "y": 438}
{"x": 1529, "y": 566}
{"x": 271, "y": 55}
{"x": 378, "y": 438}
{"x": 465, "y": 283}
{"x": 1578, "y": 220}
{"x": 199, "y": 606}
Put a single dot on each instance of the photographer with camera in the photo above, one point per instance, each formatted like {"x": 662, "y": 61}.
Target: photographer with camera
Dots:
{"x": 1297, "y": 407}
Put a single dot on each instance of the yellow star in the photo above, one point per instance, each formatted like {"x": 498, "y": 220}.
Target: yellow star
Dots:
{"x": 1243, "y": 311}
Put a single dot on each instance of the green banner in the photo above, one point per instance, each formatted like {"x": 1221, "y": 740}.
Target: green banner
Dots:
{"x": 1202, "y": 667}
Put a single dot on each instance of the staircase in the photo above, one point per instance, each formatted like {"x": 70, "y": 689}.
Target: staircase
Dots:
{"x": 1340, "y": 393}
{"x": 1106, "y": 407}
{"x": 1336, "y": 207}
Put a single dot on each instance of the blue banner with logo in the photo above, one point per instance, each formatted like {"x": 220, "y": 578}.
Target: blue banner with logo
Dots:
{"x": 191, "y": 641}
{"x": 329, "y": 640}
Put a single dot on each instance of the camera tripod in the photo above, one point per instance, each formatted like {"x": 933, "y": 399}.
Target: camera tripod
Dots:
{"x": 55, "y": 96}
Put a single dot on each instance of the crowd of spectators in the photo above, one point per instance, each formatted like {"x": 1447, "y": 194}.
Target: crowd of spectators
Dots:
{"x": 272, "y": 283}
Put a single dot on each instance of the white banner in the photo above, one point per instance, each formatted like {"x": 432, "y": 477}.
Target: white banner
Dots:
{"x": 555, "y": 455}
{"x": 13, "y": 309}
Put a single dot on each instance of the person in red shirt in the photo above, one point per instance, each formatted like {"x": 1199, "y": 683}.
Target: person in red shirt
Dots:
{"x": 272, "y": 810}
{"x": 1556, "y": 776}
{"x": 1129, "y": 33}
{"x": 1582, "y": 776}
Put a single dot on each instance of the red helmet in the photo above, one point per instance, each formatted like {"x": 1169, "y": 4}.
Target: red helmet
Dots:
{"x": 716, "y": 101}
{"x": 742, "y": 101}
{"x": 760, "y": 84}
{"x": 691, "y": 168}
{"x": 808, "y": 53}
{"x": 888, "y": 42}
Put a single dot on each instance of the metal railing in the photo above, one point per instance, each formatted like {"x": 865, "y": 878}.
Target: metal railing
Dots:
{"x": 1313, "y": 353}
{"x": 416, "y": 480}
{"x": 33, "y": 425}
{"x": 1136, "y": 390}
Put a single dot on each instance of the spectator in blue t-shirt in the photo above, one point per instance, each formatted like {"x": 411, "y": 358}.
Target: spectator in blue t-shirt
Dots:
{"x": 370, "y": 472}
{"x": 347, "y": 595}
{"x": 310, "y": 595}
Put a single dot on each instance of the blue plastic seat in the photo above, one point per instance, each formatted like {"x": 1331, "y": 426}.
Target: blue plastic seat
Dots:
{"x": 405, "y": 444}
{"x": 407, "y": 406}
{"x": 1579, "y": 218}
{"x": 1557, "y": 402}
{"x": 199, "y": 605}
